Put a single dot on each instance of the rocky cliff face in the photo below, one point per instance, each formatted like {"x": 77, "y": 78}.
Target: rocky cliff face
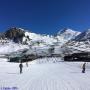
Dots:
{"x": 15, "y": 34}
{"x": 2, "y": 36}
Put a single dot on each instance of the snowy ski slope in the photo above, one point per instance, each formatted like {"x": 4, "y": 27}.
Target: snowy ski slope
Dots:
{"x": 47, "y": 75}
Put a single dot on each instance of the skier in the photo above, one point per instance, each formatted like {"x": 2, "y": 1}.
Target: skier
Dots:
{"x": 83, "y": 67}
{"x": 20, "y": 66}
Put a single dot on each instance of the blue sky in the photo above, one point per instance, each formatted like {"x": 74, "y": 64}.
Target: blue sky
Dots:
{"x": 45, "y": 16}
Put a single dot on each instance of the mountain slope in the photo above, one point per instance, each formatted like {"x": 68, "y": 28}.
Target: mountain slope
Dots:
{"x": 66, "y": 34}
{"x": 38, "y": 38}
{"x": 80, "y": 44}
{"x": 84, "y": 36}
{"x": 66, "y": 41}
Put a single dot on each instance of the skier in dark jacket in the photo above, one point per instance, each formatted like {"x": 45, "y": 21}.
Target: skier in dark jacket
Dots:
{"x": 83, "y": 68}
{"x": 20, "y": 66}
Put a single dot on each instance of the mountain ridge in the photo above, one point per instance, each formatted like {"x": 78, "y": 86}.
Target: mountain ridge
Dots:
{"x": 64, "y": 42}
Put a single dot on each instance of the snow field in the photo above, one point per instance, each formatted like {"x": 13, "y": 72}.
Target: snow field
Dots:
{"x": 46, "y": 75}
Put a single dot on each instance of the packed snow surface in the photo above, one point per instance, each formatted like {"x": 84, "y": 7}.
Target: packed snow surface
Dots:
{"x": 44, "y": 74}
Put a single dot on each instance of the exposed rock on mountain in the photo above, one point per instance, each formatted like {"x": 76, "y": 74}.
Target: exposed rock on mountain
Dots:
{"x": 15, "y": 34}
{"x": 2, "y": 36}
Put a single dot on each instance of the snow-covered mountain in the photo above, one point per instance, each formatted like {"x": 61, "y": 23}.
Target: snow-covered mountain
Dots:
{"x": 67, "y": 34}
{"x": 84, "y": 36}
{"x": 20, "y": 35}
{"x": 66, "y": 40}
{"x": 38, "y": 39}
{"x": 81, "y": 43}
{"x": 44, "y": 43}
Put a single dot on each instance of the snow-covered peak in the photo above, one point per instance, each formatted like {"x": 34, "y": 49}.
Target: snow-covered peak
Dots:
{"x": 66, "y": 30}
{"x": 21, "y": 29}
{"x": 83, "y": 36}
{"x": 67, "y": 34}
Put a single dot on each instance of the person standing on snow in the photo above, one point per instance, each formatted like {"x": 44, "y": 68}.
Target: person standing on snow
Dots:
{"x": 20, "y": 66}
{"x": 84, "y": 68}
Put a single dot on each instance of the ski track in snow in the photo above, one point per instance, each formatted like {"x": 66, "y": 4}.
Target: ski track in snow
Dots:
{"x": 45, "y": 76}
